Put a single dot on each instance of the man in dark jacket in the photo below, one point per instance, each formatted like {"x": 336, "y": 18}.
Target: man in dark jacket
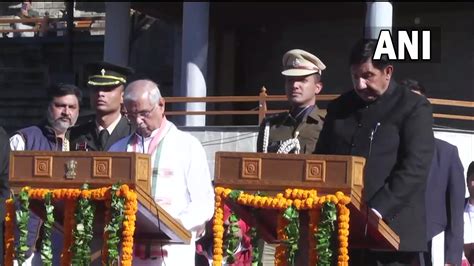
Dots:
{"x": 391, "y": 127}
{"x": 49, "y": 135}
{"x": 445, "y": 192}
{"x": 106, "y": 82}
{"x": 4, "y": 187}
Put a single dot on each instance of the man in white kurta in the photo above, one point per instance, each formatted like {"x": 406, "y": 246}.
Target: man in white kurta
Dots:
{"x": 181, "y": 181}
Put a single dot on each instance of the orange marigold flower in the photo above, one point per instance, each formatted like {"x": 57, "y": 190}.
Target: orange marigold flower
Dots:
{"x": 297, "y": 203}
{"x": 339, "y": 195}
{"x": 281, "y": 203}
{"x": 294, "y": 193}
{"x": 322, "y": 199}
{"x": 299, "y": 193}
{"x": 124, "y": 189}
{"x": 86, "y": 194}
{"x": 344, "y": 218}
{"x": 274, "y": 202}
{"x": 343, "y": 244}
{"x": 309, "y": 203}
{"x": 313, "y": 193}
{"x": 343, "y": 226}
{"x": 346, "y": 200}
{"x": 343, "y": 238}
{"x": 219, "y": 190}
{"x": 217, "y": 250}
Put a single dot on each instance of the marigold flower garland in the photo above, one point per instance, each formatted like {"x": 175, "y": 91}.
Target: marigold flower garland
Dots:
{"x": 343, "y": 257}
{"x": 301, "y": 199}
{"x": 218, "y": 226}
{"x": 9, "y": 238}
{"x": 131, "y": 207}
{"x": 70, "y": 197}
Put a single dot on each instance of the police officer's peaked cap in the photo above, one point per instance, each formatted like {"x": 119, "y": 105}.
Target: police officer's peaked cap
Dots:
{"x": 298, "y": 62}
{"x": 107, "y": 74}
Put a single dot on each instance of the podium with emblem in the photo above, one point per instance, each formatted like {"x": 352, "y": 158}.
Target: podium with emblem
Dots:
{"x": 270, "y": 174}
{"x": 70, "y": 170}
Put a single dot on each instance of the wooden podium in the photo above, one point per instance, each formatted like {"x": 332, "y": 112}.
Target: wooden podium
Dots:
{"x": 273, "y": 173}
{"x": 51, "y": 170}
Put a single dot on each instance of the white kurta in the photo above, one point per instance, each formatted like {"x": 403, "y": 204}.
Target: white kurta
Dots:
{"x": 469, "y": 224}
{"x": 183, "y": 189}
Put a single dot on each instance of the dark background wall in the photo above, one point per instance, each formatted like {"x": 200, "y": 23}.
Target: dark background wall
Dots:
{"x": 247, "y": 41}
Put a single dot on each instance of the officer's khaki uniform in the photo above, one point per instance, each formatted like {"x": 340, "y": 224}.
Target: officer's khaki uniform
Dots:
{"x": 283, "y": 127}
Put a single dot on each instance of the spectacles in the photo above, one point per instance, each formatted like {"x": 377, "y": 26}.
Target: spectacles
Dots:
{"x": 143, "y": 114}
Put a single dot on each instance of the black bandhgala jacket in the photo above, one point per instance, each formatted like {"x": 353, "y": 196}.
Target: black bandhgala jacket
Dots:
{"x": 395, "y": 135}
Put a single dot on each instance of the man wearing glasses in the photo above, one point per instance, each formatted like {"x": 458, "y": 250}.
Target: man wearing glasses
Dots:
{"x": 106, "y": 83}
{"x": 181, "y": 182}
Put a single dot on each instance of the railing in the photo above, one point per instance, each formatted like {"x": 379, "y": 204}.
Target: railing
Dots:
{"x": 263, "y": 98}
{"x": 46, "y": 25}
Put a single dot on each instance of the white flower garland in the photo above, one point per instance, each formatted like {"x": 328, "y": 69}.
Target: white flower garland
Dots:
{"x": 290, "y": 144}
{"x": 266, "y": 135}
{"x": 65, "y": 144}
{"x": 286, "y": 146}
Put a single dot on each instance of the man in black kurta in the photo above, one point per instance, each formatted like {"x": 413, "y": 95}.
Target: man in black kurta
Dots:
{"x": 106, "y": 83}
{"x": 391, "y": 127}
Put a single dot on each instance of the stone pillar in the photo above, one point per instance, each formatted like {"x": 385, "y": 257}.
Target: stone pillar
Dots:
{"x": 378, "y": 17}
{"x": 117, "y": 31}
{"x": 194, "y": 51}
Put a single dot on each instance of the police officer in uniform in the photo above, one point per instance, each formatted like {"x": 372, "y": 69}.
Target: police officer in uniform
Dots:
{"x": 106, "y": 83}
{"x": 297, "y": 130}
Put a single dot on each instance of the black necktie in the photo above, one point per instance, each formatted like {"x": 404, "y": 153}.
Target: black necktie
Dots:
{"x": 103, "y": 137}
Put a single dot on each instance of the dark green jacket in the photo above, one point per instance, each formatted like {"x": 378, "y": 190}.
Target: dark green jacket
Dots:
{"x": 283, "y": 127}
{"x": 85, "y": 136}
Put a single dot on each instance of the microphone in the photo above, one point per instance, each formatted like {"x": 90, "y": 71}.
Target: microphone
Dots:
{"x": 371, "y": 137}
